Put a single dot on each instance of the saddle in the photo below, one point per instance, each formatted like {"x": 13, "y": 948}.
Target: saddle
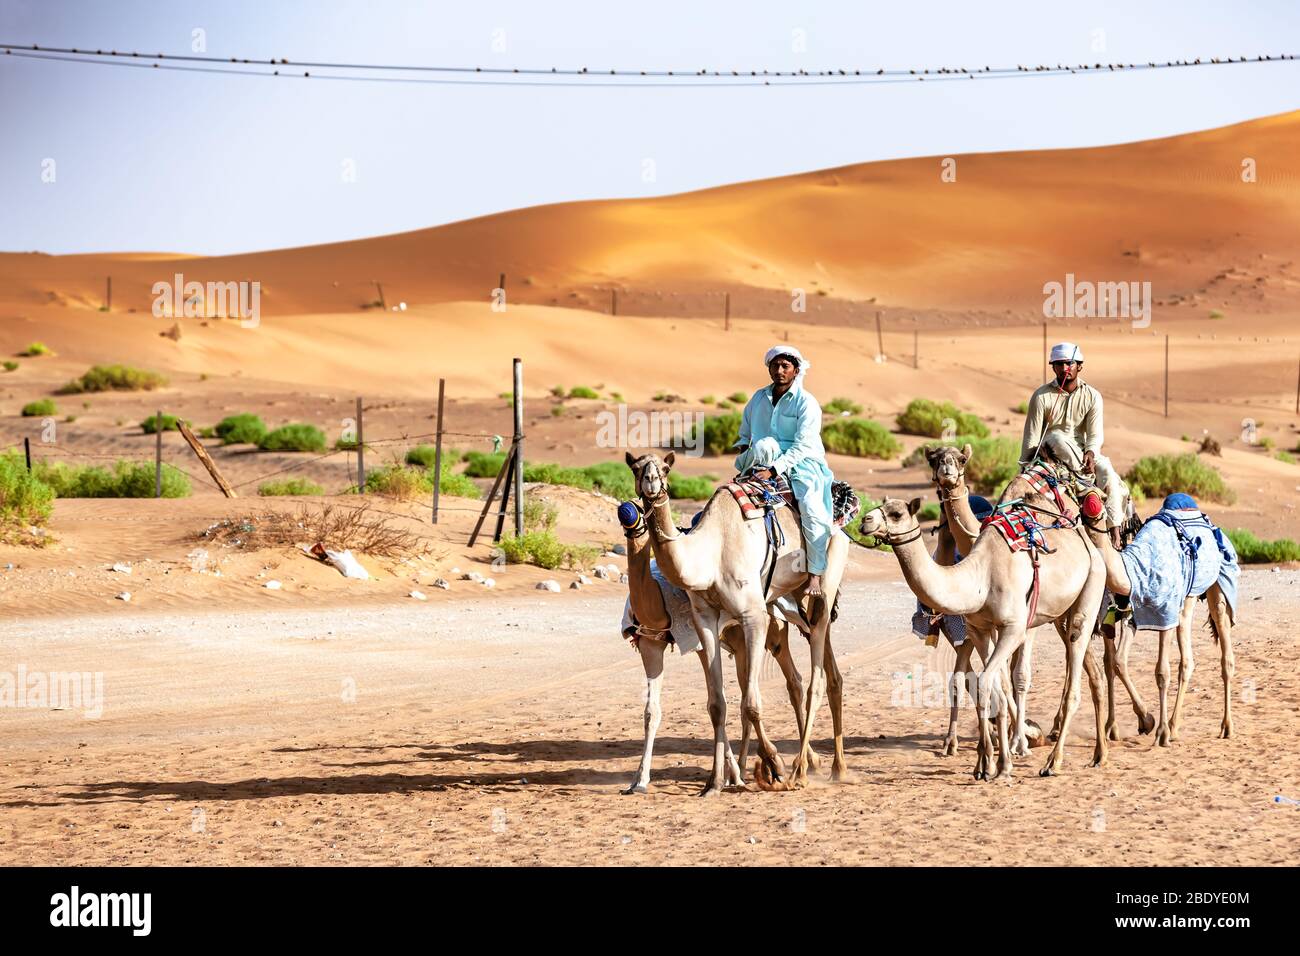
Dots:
{"x": 1018, "y": 528}
{"x": 756, "y": 496}
{"x": 1044, "y": 481}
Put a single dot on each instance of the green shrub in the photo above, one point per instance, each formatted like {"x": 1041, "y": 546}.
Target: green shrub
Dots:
{"x": 243, "y": 429}
{"x": 11, "y": 365}
{"x": 557, "y": 390}
{"x": 557, "y": 411}
{"x": 582, "y": 391}
{"x": 1023, "y": 407}
{"x": 542, "y": 548}
{"x": 425, "y": 455}
{"x": 295, "y": 437}
{"x": 35, "y": 349}
{"x": 840, "y": 404}
{"x": 697, "y": 488}
{"x": 929, "y": 512}
{"x": 127, "y": 479}
{"x": 1216, "y": 313}
{"x": 617, "y": 397}
{"x": 42, "y": 406}
{"x": 924, "y": 417}
{"x": 708, "y": 400}
{"x": 169, "y": 424}
{"x": 721, "y": 432}
{"x": 104, "y": 378}
{"x": 1160, "y": 475}
{"x": 738, "y": 398}
{"x": 539, "y": 516}
{"x": 1253, "y": 550}
{"x": 413, "y": 481}
{"x": 860, "y": 437}
{"x": 289, "y": 486}
{"x": 484, "y": 464}
{"x": 552, "y": 474}
{"x": 865, "y": 504}
{"x": 612, "y": 478}
{"x": 25, "y": 500}
{"x": 1286, "y": 456}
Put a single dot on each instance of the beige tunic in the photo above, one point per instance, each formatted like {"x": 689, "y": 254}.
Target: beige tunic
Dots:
{"x": 1076, "y": 413}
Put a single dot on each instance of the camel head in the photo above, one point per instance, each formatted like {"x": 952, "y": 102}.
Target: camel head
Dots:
{"x": 651, "y": 474}
{"x": 893, "y": 520}
{"x": 948, "y": 465}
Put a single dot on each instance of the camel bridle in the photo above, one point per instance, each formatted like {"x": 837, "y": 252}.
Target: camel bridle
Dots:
{"x": 903, "y": 536}
{"x": 639, "y": 469}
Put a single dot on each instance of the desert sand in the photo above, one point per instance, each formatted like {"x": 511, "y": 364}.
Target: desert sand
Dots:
{"x": 496, "y": 726}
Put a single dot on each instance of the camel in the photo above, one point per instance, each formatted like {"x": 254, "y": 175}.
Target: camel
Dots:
{"x": 651, "y": 614}
{"x": 720, "y": 564}
{"x": 989, "y": 587}
{"x": 1117, "y": 581}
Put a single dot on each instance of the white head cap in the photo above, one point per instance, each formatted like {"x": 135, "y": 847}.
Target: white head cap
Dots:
{"x": 1066, "y": 352}
{"x": 776, "y": 351}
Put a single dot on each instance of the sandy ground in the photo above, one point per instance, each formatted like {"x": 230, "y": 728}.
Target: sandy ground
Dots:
{"x": 345, "y": 721}
{"x": 500, "y": 731}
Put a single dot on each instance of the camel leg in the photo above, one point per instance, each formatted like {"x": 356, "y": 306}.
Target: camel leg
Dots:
{"x": 956, "y": 685}
{"x": 1108, "y": 649}
{"x": 1009, "y": 639}
{"x": 736, "y": 767}
{"x": 1222, "y": 620}
{"x": 1186, "y": 664}
{"x": 794, "y": 686}
{"x": 1126, "y": 633}
{"x": 816, "y": 687}
{"x": 1076, "y": 651}
{"x": 706, "y": 625}
{"x": 1162, "y": 685}
{"x": 754, "y": 621}
{"x": 835, "y": 694}
{"x": 652, "y": 659}
{"x": 1100, "y": 754}
{"x": 1021, "y": 674}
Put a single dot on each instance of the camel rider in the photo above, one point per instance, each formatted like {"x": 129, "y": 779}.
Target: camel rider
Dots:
{"x": 1065, "y": 420}
{"x": 780, "y": 434}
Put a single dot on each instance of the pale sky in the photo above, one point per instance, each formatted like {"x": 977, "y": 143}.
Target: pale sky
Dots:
{"x": 204, "y": 163}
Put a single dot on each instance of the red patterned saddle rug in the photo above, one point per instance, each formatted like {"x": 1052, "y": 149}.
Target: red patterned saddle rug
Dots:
{"x": 1043, "y": 481}
{"x": 1018, "y": 528}
{"x": 754, "y": 495}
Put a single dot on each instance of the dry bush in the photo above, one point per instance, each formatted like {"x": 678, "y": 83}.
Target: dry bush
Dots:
{"x": 338, "y": 528}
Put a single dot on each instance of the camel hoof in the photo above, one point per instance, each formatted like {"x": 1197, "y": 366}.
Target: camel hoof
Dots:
{"x": 1034, "y": 734}
{"x": 1162, "y": 737}
{"x": 635, "y": 788}
{"x": 711, "y": 790}
{"x": 1047, "y": 771}
{"x": 841, "y": 775}
{"x": 814, "y": 761}
{"x": 1112, "y": 734}
{"x": 1225, "y": 731}
{"x": 949, "y": 748}
{"x": 1146, "y": 724}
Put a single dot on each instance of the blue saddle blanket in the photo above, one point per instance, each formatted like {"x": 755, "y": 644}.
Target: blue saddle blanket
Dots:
{"x": 1177, "y": 553}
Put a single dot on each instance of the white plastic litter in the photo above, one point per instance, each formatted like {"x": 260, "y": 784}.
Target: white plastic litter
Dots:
{"x": 349, "y": 566}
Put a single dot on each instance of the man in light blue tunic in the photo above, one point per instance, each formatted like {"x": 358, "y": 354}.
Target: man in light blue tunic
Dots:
{"x": 780, "y": 434}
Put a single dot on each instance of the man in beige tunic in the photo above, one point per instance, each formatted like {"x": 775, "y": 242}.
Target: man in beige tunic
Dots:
{"x": 1065, "y": 419}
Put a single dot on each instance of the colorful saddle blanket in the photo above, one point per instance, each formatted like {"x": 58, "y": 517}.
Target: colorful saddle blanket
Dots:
{"x": 754, "y": 495}
{"x": 1018, "y": 528}
{"x": 1044, "y": 481}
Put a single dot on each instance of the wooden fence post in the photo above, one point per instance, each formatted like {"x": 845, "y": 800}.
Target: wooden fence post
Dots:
{"x": 880, "y": 340}
{"x": 383, "y": 303}
{"x": 108, "y": 292}
{"x": 519, "y": 447}
{"x": 157, "y": 455}
{"x": 726, "y": 315}
{"x": 361, "y": 453}
{"x": 437, "y": 453}
{"x": 203, "y": 456}
{"x": 27, "y": 450}
{"x": 1166, "y": 376}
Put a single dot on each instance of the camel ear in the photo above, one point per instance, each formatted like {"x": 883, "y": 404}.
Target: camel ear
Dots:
{"x": 967, "y": 451}
{"x": 668, "y": 461}
{"x": 631, "y": 462}
{"x": 914, "y": 506}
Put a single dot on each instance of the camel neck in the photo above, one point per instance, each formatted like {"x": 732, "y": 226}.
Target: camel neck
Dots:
{"x": 643, "y": 590}
{"x": 960, "y": 589}
{"x": 1117, "y": 581}
{"x": 676, "y": 553}
{"x": 962, "y": 523}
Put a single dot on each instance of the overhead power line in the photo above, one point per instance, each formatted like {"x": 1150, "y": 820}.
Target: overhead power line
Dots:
{"x": 570, "y": 77}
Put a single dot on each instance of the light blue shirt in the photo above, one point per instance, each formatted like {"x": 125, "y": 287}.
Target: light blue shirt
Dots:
{"x": 795, "y": 422}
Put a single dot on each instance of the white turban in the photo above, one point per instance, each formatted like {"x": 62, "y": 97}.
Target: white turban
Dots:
{"x": 776, "y": 351}
{"x": 1066, "y": 352}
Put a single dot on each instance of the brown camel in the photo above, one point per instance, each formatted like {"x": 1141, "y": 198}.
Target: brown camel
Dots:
{"x": 990, "y": 587}
{"x": 654, "y": 628}
{"x": 1117, "y": 581}
{"x": 720, "y": 564}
